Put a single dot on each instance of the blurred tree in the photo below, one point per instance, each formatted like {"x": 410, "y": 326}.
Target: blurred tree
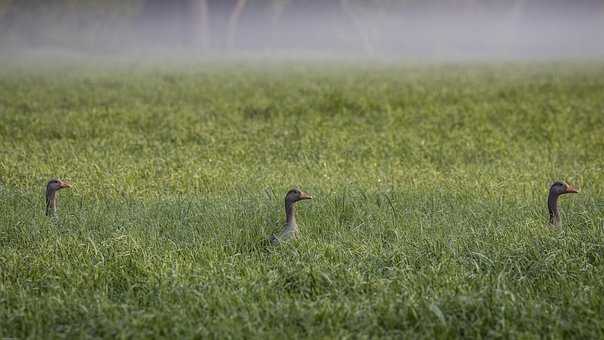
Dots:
{"x": 361, "y": 30}
{"x": 199, "y": 24}
{"x": 234, "y": 22}
{"x": 4, "y": 6}
{"x": 162, "y": 21}
{"x": 202, "y": 23}
{"x": 367, "y": 25}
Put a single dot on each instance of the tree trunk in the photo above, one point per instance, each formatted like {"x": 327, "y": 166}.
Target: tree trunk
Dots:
{"x": 220, "y": 12}
{"x": 234, "y": 22}
{"x": 199, "y": 24}
{"x": 164, "y": 22}
{"x": 361, "y": 31}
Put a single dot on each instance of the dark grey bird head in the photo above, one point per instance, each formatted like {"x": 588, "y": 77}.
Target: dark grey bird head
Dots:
{"x": 295, "y": 195}
{"x": 56, "y": 184}
{"x": 561, "y": 188}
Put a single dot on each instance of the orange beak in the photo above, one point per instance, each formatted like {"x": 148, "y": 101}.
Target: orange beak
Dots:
{"x": 571, "y": 189}
{"x": 65, "y": 184}
{"x": 305, "y": 196}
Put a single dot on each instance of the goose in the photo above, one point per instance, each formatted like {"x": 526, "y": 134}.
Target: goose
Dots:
{"x": 558, "y": 188}
{"x": 290, "y": 230}
{"x": 52, "y": 187}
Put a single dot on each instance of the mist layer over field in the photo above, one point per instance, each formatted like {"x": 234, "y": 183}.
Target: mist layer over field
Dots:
{"x": 428, "y": 217}
{"x": 437, "y": 30}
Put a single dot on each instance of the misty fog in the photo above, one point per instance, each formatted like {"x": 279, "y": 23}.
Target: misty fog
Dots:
{"x": 441, "y": 30}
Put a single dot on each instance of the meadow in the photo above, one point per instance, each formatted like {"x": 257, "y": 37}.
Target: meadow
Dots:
{"x": 428, "y": 219}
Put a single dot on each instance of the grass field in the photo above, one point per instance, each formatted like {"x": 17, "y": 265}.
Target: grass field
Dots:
{"x": 429, "y": 217}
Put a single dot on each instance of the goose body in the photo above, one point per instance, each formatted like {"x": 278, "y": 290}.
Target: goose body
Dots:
{"x": 289, "y": 232}
{"x": 555, "y": 191}
{"x": 290, "y": 229}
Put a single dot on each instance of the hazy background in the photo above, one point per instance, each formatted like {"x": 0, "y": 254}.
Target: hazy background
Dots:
{"x": 417, "y": 29}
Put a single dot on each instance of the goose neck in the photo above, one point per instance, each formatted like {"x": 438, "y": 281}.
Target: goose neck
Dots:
{"x": 554, "y": 213}
{"x": 51, "y": 202}
{"x": 290, "y": 213}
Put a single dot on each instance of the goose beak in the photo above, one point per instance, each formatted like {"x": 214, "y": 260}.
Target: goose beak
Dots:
{"x": 571, "y": 190}
{"x": 305, "y": 196}
{"x": 65, "y": 184}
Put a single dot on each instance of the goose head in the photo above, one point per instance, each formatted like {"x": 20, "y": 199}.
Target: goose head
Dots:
{"x": 295, "y": 195}
{"x": 561, "y": 188}
{"x": 55, "y": 185}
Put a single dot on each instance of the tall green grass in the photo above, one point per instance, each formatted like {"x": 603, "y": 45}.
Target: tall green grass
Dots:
{"x": 429, "y": 216}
